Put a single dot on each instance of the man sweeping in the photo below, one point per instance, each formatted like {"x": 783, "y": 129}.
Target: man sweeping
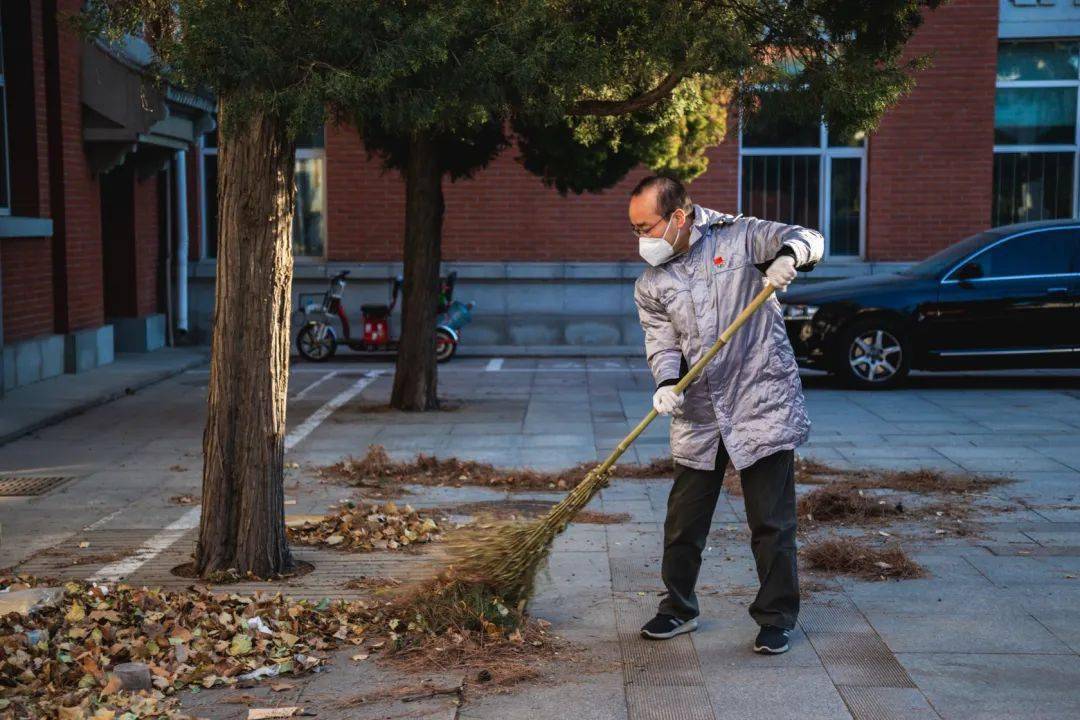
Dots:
{"x": 747, "y": 406}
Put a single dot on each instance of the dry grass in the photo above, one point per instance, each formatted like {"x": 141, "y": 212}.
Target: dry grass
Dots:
{"x": 924, "y": 480}
{"x": 856, "y": 557}
{"x": 377, "y": 470}
{"x": 842, "y": 503}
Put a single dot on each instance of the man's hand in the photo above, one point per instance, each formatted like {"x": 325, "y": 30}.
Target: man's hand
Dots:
{"x": 667, "y": 402}
{"x": 781, "y": 272}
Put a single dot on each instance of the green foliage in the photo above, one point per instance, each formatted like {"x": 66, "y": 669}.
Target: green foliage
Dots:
{"x": 591, "y": 153}
{"x": 559, "y": 72}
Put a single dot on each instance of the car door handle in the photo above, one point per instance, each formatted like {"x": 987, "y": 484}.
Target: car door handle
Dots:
{"x": 1056, "y": 290}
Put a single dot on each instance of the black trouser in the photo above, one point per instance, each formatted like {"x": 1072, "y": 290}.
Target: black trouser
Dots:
{"x": 769, "y": 495}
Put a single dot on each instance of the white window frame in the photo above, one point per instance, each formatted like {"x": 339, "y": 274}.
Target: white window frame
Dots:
{"x": 1073, "y": 147}
{"x": 826, "y": 155}
{"x": 301, "y": 154}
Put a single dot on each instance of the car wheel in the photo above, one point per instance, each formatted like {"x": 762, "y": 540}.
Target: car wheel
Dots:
{"x": 873, "y": 355}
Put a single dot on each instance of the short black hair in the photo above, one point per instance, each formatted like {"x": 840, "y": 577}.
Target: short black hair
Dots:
{"x": 670, "y": 194}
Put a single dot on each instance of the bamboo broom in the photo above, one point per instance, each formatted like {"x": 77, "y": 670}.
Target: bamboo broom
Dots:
{"x": 505, "y": 559}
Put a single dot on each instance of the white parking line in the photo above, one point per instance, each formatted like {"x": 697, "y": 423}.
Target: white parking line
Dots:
{"x": 303, "y": 393}
{"x": 176, "y": 530}
{"x": 494, "y": 365}
{"x": 149, "y": 549}
{"x": 304, "y": 429}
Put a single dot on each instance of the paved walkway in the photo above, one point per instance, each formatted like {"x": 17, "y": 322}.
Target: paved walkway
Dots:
{"x": 28, "y": 408}
{"x": 990, "y": 633}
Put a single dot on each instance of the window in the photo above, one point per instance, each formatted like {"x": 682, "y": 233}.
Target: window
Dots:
{"x": 208, "y": 174}
{"x": 309, "y": 218}
{"x": 804, "y": 175}
{"x": 1050, "y": 252}
{"x": 1035, "y": 131}
{"x": 5, "y": 175}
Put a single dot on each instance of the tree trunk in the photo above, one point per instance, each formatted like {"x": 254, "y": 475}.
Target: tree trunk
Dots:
{"x": 415, "y": 379}
{"x": 243, "y": 508}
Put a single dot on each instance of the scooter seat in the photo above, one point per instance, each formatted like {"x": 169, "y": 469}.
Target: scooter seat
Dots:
{"x": 375, "y": 311}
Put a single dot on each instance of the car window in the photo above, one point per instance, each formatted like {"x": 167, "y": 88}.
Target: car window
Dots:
{"x": 942, "y": 260}
{"x": 1047, "y": 252}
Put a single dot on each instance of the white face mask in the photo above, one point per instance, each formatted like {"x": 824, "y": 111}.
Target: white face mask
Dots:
{"x": 656, "y": 250}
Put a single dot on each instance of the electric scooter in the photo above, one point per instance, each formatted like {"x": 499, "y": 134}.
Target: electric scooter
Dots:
{"x": 317, "y": 340}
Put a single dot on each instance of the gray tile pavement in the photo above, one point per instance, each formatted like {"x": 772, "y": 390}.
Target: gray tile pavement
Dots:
{"x": 991, "y": 632}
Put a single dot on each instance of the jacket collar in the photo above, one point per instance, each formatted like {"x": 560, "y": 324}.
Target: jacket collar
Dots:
{"x": 704, "y": 218}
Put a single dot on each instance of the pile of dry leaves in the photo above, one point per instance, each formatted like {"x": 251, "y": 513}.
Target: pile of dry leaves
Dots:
{"x": 923, "y": 480}
{"x": 843, "y": 503}
{"x": 378, "y": 471}
{"x": 367, "y": 526}
{"x": 851, "y": 556}
{"x": 58, "y": 662}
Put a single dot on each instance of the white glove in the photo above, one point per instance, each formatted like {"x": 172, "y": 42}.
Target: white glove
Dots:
{"x": 667, "y": 402}
{"x": 781, "y": 272}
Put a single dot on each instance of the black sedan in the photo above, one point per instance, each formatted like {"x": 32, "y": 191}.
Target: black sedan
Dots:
{"x": 1005, "y": 298}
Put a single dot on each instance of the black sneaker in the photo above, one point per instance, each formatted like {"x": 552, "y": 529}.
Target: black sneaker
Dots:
{"x": 772, "y": 640}
{"x": 663, "y": 627}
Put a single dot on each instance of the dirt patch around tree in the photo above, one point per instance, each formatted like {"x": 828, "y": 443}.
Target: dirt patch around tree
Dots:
{"x": 230, "y": 577}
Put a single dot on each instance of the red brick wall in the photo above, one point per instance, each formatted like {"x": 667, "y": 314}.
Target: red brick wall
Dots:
{"x": 930, "y": 162}
{"x": 28, "y": 301}
{"x": 82, "y": 213}
{"x": 146, "y": 246}
{"x": 503, "y": 213}
{"x": 26, "y": 263}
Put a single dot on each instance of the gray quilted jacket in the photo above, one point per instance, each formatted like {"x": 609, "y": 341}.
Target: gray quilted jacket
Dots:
{"x": 750, "y": 395}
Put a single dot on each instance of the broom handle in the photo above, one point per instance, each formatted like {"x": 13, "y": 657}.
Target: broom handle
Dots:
{"x": 691, "y": 374}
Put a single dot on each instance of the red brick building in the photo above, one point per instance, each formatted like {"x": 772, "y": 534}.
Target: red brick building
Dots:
{"x": 100, "y": 199}
{"x": 88, "y": 195}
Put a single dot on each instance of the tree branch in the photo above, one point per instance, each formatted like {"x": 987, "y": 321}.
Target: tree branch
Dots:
{"x": 638, "y": 102}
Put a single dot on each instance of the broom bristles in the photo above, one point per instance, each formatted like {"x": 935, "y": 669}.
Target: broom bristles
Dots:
{"x": 505, "y": 557}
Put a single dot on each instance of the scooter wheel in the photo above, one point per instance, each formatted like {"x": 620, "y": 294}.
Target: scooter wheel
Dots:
{"x": 445, "y": 345}
{"x": 311, "y": 348}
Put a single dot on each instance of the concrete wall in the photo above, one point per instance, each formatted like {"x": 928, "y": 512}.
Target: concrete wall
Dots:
{"x": 521, "y": 307}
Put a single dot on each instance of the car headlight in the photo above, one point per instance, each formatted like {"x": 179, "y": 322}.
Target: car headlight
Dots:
{"x": 799, "y": 312}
